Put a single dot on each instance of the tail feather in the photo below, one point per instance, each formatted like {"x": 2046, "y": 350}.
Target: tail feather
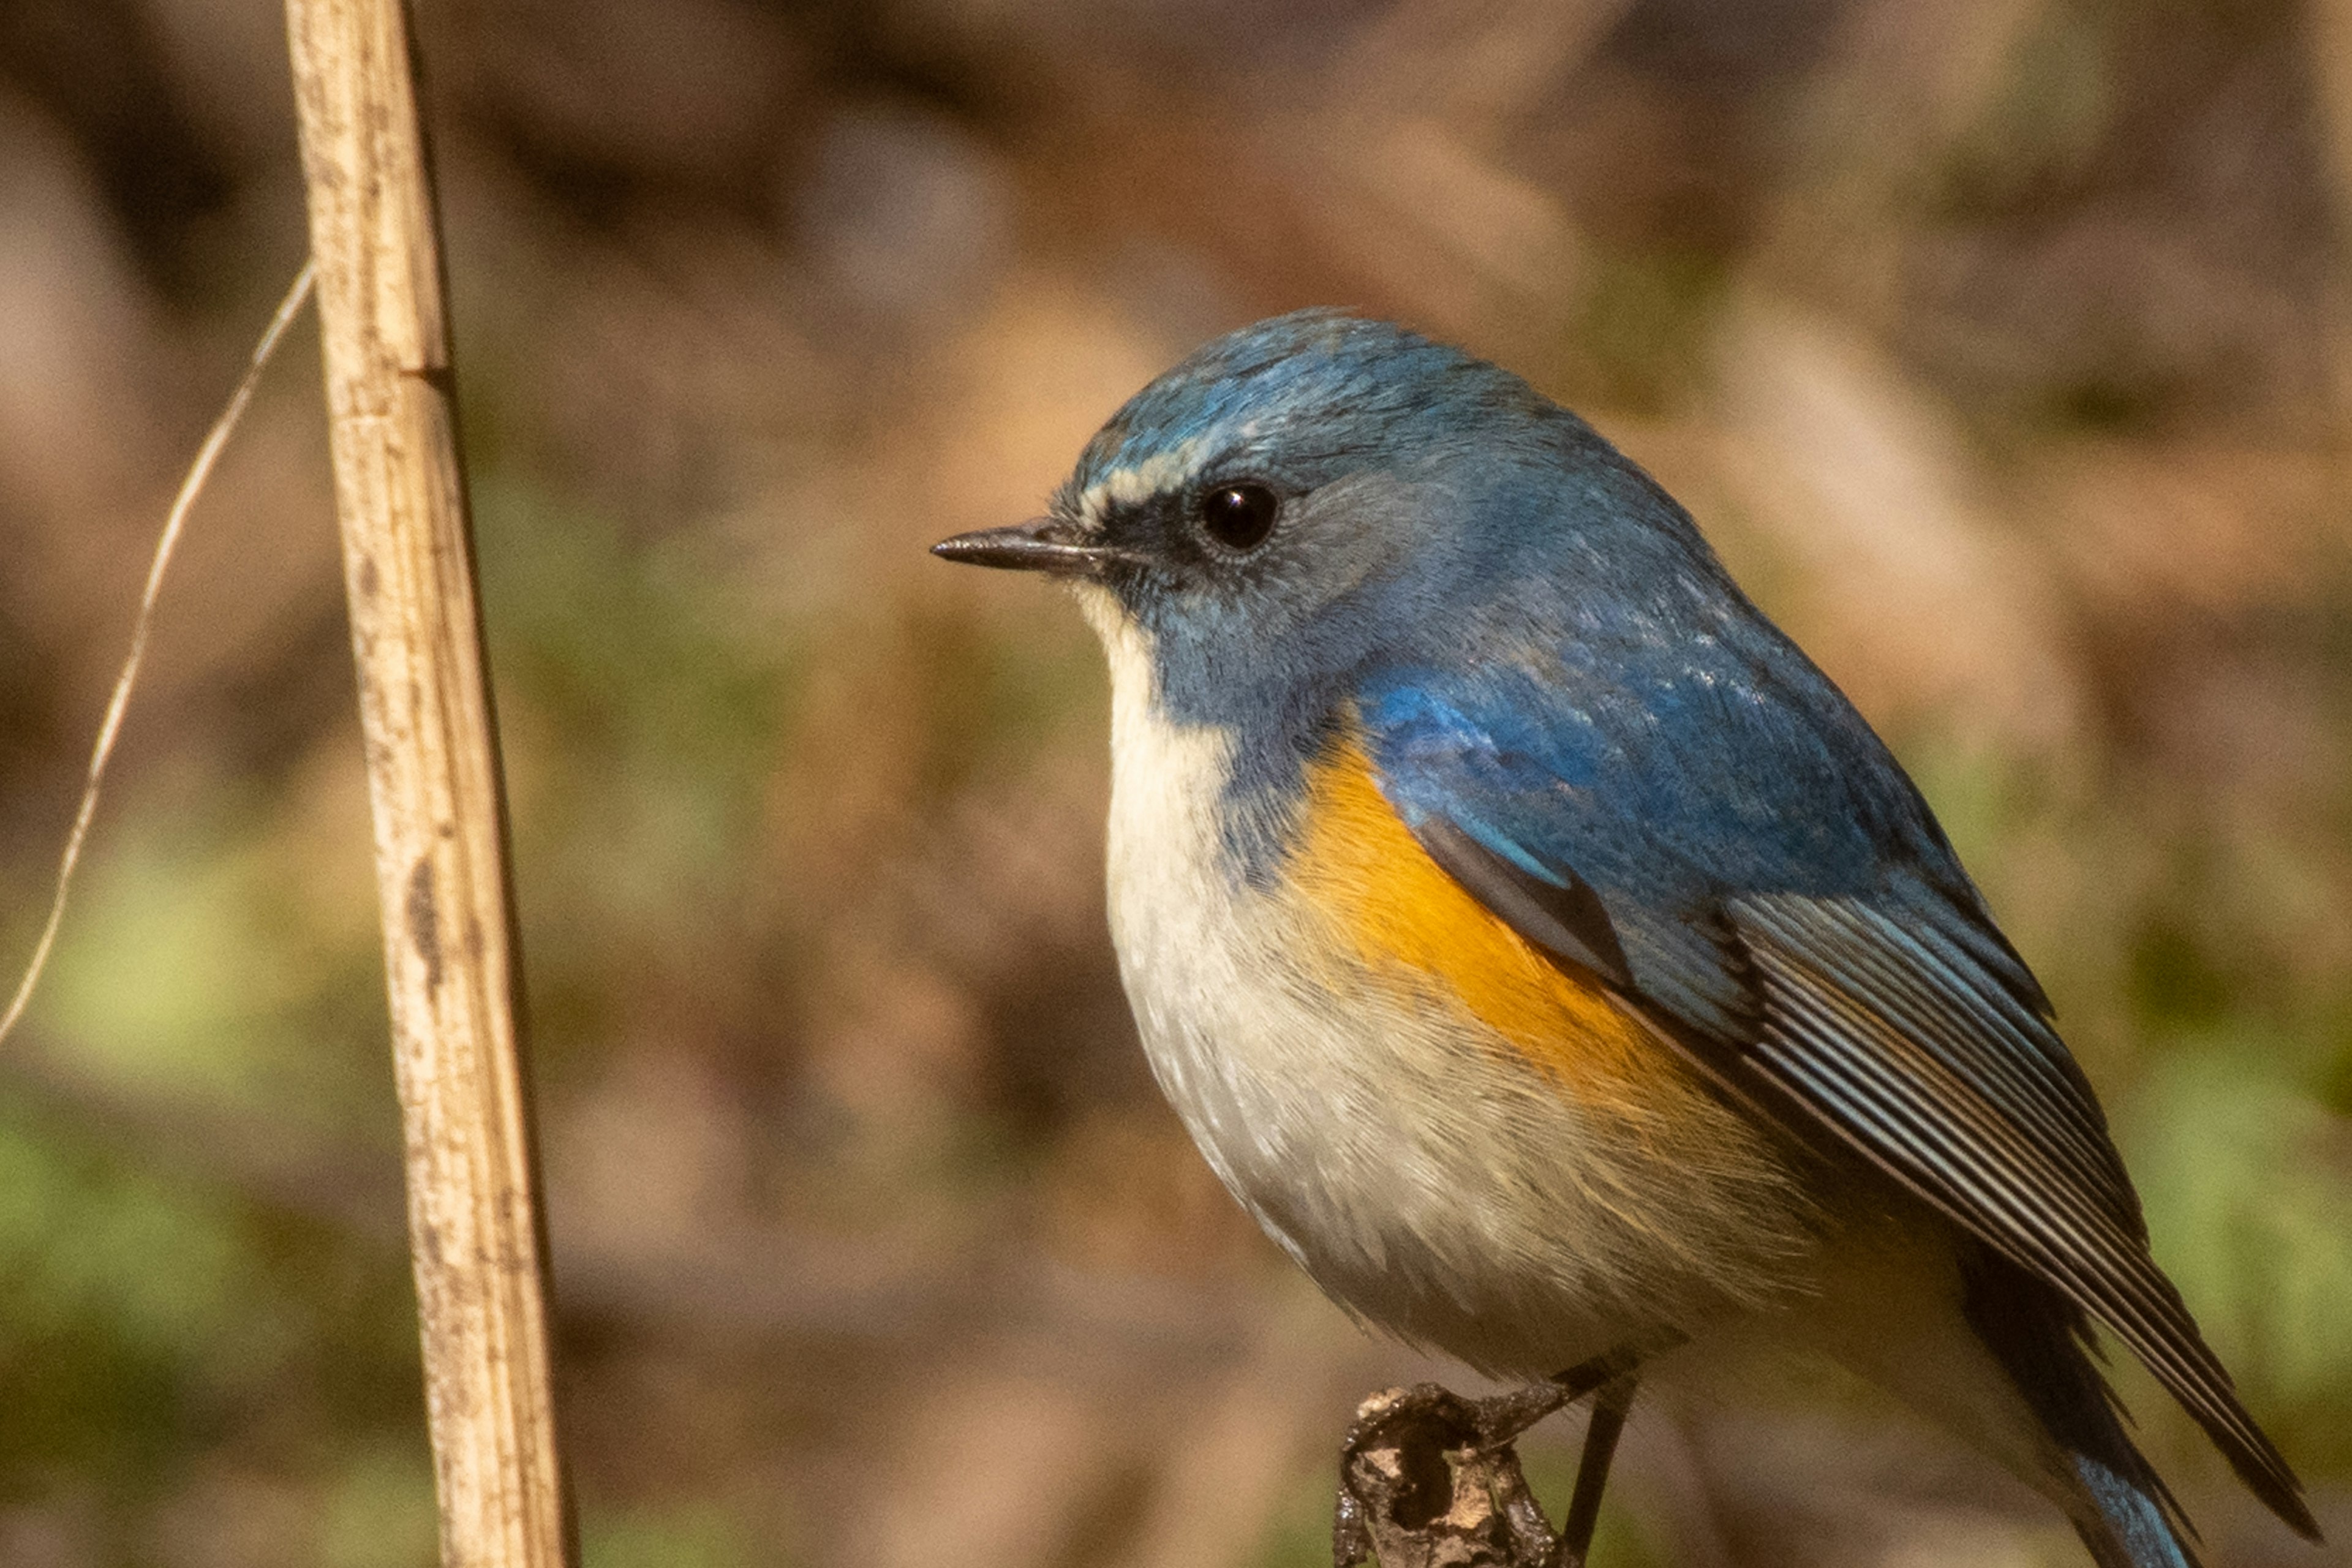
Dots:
{"x": 2132, "y": 1529}
{"x": 2123, "y": 1510}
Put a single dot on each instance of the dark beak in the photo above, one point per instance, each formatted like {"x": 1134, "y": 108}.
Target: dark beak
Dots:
{"x": 1040, "y": 545}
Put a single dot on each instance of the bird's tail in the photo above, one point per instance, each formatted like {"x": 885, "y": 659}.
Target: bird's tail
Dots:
{"x": 2122, "y": 1509}
{"x": 2129, "y": 1524}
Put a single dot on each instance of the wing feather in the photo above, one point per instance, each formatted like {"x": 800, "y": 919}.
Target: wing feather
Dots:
{"x": 1979, "y": 1034}
{"x": 1895, "y": 1054}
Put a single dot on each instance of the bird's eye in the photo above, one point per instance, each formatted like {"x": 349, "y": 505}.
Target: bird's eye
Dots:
{"x": 1239, "y": 517}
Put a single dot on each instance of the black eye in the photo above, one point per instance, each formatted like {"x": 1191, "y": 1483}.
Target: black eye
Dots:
{"x": 1239, "y": 517}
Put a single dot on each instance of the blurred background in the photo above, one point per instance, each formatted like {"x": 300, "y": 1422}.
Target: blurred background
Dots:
{"x": 2004, "y": 347}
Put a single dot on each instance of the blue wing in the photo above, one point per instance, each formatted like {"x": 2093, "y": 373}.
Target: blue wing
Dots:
{"x": 1721, "y": 840}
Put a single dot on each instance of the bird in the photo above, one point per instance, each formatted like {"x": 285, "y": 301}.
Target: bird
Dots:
{"x": 1549, "y": 957}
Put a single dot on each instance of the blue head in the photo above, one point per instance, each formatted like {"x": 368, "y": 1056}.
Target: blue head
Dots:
{"x": 1315, "y": 496}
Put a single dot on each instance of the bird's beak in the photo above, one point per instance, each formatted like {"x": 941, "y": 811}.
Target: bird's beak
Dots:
{"x": 1041, "y": 544}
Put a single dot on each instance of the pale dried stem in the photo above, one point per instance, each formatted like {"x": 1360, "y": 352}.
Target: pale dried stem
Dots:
{"x": 478, "y": 1243}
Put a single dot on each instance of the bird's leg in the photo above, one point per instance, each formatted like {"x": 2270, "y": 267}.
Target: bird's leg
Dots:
{"x": 1608, "y": 1413}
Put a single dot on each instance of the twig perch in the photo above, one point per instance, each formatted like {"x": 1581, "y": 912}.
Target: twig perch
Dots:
{"x": 451, "y": 968}
{"x": 1430, "y": 1479}
{"x": 1419, "y": 1488}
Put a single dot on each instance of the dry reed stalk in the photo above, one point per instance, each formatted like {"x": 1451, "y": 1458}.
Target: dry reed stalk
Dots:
{"x": 478, "y": 1240}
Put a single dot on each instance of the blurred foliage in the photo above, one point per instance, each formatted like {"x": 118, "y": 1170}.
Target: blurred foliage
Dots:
{"x": 2250, "y": 1183}
{"x": 694, "y": 1538}
{"x": 1999, "y": 344}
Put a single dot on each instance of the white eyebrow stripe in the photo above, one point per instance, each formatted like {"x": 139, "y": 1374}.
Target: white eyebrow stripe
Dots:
{"x": 1163, "y": 471}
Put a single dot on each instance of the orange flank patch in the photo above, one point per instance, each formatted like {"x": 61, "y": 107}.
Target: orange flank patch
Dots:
{"x": 1414, "y": 927}
{"x": 1653, "y": 1146}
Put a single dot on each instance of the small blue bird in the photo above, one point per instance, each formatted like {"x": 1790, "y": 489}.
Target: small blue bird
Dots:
{"x": 1547, "y": 955}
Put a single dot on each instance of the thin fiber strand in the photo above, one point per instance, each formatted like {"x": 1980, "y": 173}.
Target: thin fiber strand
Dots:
{"x": 199, "y": 472}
